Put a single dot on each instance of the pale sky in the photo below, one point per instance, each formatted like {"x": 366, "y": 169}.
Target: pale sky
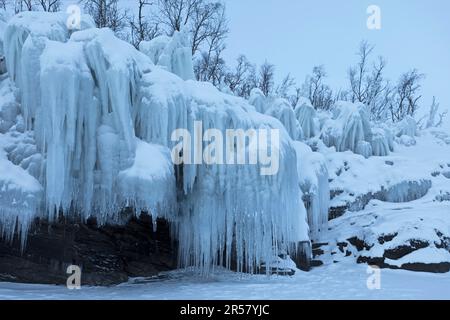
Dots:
{"x": 295, "y": 35}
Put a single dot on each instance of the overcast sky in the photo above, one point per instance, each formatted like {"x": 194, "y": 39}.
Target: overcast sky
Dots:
{"x": 295, "y": 35}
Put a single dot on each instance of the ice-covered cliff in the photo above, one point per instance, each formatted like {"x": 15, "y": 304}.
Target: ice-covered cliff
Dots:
{"x": 98, "y": 116}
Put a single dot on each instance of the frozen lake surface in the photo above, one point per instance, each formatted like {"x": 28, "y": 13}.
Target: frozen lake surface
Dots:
{"x": 343, "y": 280}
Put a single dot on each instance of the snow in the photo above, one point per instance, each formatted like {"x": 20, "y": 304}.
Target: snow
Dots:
{"x": 407, "y": 127}
{"x": 402, "y": 176}
{"x": 425, "y": 255}
{"x": 412, "y": 214}
{"x": 333, "y": 282}
{"x": 150, "y": 180}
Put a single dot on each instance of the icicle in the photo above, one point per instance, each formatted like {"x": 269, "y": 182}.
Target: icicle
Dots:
{"x": 380, "y": 143}
{"x": 314, "y": 185}
{"x": 305, "y": 115}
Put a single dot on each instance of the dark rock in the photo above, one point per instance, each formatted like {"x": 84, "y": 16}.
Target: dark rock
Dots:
{"x": 358, "y": 244}
{"x": 317, "y": 245}
{"x": 389, "y": 163}
{"x": 374, "y": 261}
{"x": 107, "y": 255}
{"x": 435, "y": 174}
{"x": 336, "y": 212}
{"x": 277, "y": 271}
{"x": 317, "y": 252}
{"x": 445, "y": 241}
{"x": 342, "y": 246}
{"x": 316, "y": 263}
{"x": 302, "y": 256}
{"x": 442, "y": 267}
{"x": 403, "y": 250}
{"x": 335, "y": 193}
{"x": 386, "y": 238}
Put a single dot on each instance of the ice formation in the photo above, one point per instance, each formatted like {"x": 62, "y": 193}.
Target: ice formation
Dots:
{"x": 380, "y": 143}
{"x": 168, "y": 103}
{"x": 349, "y": 128}
{"x": 278, "y": 108}
{"x": 364, "y": 148}
{"x": 314, "y": 186}
{"x": 407, "y": 127}
{"x": 306, "y": 115}
{"x": 258, "y": 100}
{"x": 102, "y": 116}
{"x": 172, "y": 53}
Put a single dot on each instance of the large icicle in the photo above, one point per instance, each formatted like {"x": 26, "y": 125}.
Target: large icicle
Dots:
{"x": 313, "y": 179}
{"x": 228, "y": 212}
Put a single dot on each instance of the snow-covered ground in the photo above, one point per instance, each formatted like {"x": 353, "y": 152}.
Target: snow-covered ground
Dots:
{"x": 343, "y": 280}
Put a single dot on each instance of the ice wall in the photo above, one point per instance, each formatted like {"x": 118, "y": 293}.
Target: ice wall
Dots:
{"x": 103, "y": 115}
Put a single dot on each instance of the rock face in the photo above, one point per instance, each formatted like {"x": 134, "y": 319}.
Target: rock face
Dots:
{"x": 107, "y": 255}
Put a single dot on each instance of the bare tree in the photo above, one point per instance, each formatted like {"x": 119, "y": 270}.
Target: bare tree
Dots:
{"x": 143, "y": 28}
{"x": 106, "y": 14}
{"x": 211, "y": 68}
{"x": 407, "y": 95}
{"x": 208, "y": 27}
{"x": 319, "y": 94}
{"x": 50, "y": 5}
{"x": 205, "y": 19}
{"x": 285, "y": 88}
{"x": 266, "y": 78}
{"x": 368, "y": 85}
{"x": 358, "y": 74}
{"x": 23, "y": 5}
{"x": 3, "y": 4}
{"x": 175, "y": 14}
{"x": 243, "y": 78}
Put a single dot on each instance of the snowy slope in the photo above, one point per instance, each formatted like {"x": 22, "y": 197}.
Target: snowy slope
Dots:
{"x": 410, "y": 227}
